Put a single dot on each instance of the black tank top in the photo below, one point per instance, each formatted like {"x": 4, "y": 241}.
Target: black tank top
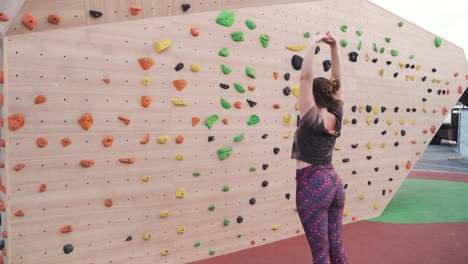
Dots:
{"x": 313, "y": 143}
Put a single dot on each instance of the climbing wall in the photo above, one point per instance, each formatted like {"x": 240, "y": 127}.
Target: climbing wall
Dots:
{"x": 167, "y": 140}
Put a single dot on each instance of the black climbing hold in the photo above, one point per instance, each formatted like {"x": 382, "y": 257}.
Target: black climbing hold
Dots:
{"x": 424, "y": 99}
{"x": 375, "y": 60}
{"x": 354, "y": 121}
{"x": 412, "y": 66}
{"x": 376, "y": 169}
{"x": 403, "y": 132}
{"x": 397, "y": 143}
{"x": 265, "y": 166}
{"x": 287, "y": 91}
{"x": 67, "y": 248}
{"x": 389, "y": 62}
{"x": 369, "y": 157}
{"x": 326, "y": 65}
{"x": 414, "y": 110}
{"x": 353, "y": 56}
{"x": 390, "y": 179}
{"x": 396, "y": 109}
{"x": 251, "y": 103}
{"x": 211, "y": 138}
{"x": 265, "y": 183}
{"x": 383, "y": 192}
{"x": 395, "y": 74}
{"x": 345, "y": 160}
{"x": 179, "y": 66}
{"x": 240, "y": 219}
{"x": 288, "y": 195}
{"x": 345, "y": 186}
{"x": 383, "y": 109}
{"x": 424, "y": 78}
{"x": 296, "y": 62}
{"x": 443, "y": 92}
{"x": 129, "y": 238}
{"x": 354, "y": 172}
{"x": 185, "y": 7}
{"x": 287, "y": 76}
{"x": 439, "y": 92}
{"x": 276, "y": 150}
{"x": 317, "y": 50}
{"x": 384, "y": 132}
{"x": 369, "y": 183}
{"x": 376, "y": 121}
{"x": 354, "y": 146}
{"x": 434, "y": 69}
{"x": 95, "y": 13}
{"x": 252, "y": 201}
{"x": 2, "y": 244}
{"x": 264, "y": 136}
{"x": 397, "y": 167}
{"x": 408, "y": 110}
{"x": 354, "y": 108}
{"x": 224, "y": 86}
{"x": 407, "y": 66}
{"x": 368, "y": 108}
{"x": 429, "y": 90}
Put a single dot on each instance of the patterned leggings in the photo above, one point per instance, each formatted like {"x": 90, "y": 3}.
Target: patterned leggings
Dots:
{"x": 320, "y": 199}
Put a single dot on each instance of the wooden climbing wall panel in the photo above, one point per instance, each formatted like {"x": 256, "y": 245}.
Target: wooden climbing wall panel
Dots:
{"x": 96, "y": 70}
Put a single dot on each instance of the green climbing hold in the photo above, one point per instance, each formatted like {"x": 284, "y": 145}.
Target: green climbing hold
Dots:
{"x": 211, "y": 207}
{"x": 250, "y": 24}
{"x": 226, "y": 70}
{"x": 359, "y": 33}
{"x": 196, "y": 174}
{"x": 400, "y": 24}
{"x": 394, "y": 53}
{"x": 212, "y": 252}
{"x": 239, "y": 88}
{"x": 224, "y": 153}
{"x": 237, "y": 36}
{"x": 344, "y": 43}
{"x": 254, "y": 119}
{"x": 225, "y": 104}
{"x": 239, "y": 137}
{"x": 226, "y": 222}
{"x": 226, "y": 18}
{"x": 226, "y": 189}
{"x": 387, "y": 39}
{"x": 359, "y": 46}
{"x": 382, "y": 50}
{"x": 438, "y": 42}
{"x": 374, "y": 47}
{"x": 250, "y": 72}
{"x": 224, "y": 52}
{"x": 307, "y": 35}
{"x": 264, "y": 40}
{"x": 197, "y": 244}
{"x": 211, "y": 120}
{"x": 344, "y": 28}
{"x": 239, "y": 235}
{"x": 411, "y": 56}
{"x": 252, "y": 169}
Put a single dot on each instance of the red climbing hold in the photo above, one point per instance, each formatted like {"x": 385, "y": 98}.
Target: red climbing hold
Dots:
{"x": 238, "y": 104}
{"x": 252, "y": 242}
{"x": 409, "y": 164}
{"x": 354, "y": 218}
{"x": 434, "y": 111}
{"x": 455, "y": 74}
{"x": 425, "y": 131}
{"x": 40, "y": 99}
{"x": 19, "y": 166}
{"x": 42, "y": 188}
{"x": 1, "y": 99}
{"x": 66, "y": 229}
{"x": 135, "y": 10}
{"x": 87, "y": 163}
{"x": 195, "y": 32}
{"x": 16, "y": 121}
{"x": 65, "y": 142}
{"x": 108, "y": 141}
{"x": 146, "y": 63}
{"x": 106, "y": 80}
{"x": 444, "y": 110}
{"x": 195, "y": 121}
{"x": 108, "y": 202}
{"x": 54, "y": 19}
{"x": 179, "y": 84}
{"x": 4, "y": 17}
{"x": 145, "y": 139}
{"x": 276, "y": 106}
{"x": 433, "y": 129}
{"x": 418, "y": 153}
{"x": 413, "y": 141}
{"x": 251, "y": 88}
{"x": 460, "y": 89}
{"x": 225, "y": 121}
{"x": 4, "y": 234}
{"x": 275, "y": 75}
{"x": 2, "y": 143}
{"x": 125, "y": 120}
{"x": 127, "y": 160}
{"x": 19, "y": 213}
{"x": 29, "y": 21}
{"x": 179, "y": 139}
{"x": 2, "y": 78}
{"x": 41, "y": 142}
{"x": 86, "y": 121}
{"x": 448, "y": 91}
{"x": 145, "y": 101}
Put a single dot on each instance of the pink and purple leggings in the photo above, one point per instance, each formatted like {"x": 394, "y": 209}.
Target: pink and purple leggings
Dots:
{"x": 320, "y": 199}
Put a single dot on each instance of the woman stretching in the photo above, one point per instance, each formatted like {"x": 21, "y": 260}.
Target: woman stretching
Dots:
{"x": 320, "y": 195}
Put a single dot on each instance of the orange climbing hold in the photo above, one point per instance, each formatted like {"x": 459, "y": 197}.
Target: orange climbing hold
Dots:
{"x": 225, "y": 121}
{"x": 179, "y": 84}
{"x": 87, "y": 163}
{"x": 42, "y": 188}
{"x": 409, "y": 164}
{"x": 145, "y": 139}
{"x": 19, "y": 213}
{"x": 276, "y": 106}
{"x": 125, "y": 120}
{"x": 146, "y": 63}
{"x": 2, "y": 165}
{"x": 195, "y": 121}
{"x": 127, "y": 160}
{"x": 1, "y": 122}
{"x": 19, "y": 166}
{"x": 2, "y": 77}
{"x": 106, "y": 80}
{"x": 108, "y": 141}
{"x": 40, "y": 99}
{"x": 29, "y": 21}
{"x": 195, "y": 32}
{"x": 1, "y": 99}
{"x": 179, "y": 139}
{"x": 2, "y": 143}
{"x": 54, "y": 19}
{"x": 135, "y": 10}
{"x": 65, "y": 142}
{"x": 4, "y": 17}
{"x": 444, "y": 110}
{"x": 16, "y": 121}
{"x": 2, "y": 206}
{"x": 275, "y": 75}
{"x": 66, "y": 229}
{"x": 41, "y": 142}
{"x": 251, "y": 88}
{"x": 145, "y": 101}
{"x": 108, "y": 202}
{"x": 237, "y": 104}
{"x": 86, "y": 121}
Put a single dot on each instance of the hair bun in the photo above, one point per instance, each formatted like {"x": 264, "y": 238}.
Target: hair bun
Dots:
{"x": 335, "y": 84}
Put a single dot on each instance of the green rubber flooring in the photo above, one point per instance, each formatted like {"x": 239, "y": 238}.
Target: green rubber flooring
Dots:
{"x": 427, "y": 201}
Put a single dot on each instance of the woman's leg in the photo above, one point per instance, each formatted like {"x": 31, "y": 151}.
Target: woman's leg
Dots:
{"x": 314, "y": 194}
{"x": 335, "y": 225}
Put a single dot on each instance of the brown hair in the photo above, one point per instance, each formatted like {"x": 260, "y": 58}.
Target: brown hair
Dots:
{"x": 324, "y": 91}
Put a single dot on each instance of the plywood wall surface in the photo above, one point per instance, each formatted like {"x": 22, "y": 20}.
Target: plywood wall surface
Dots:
{"x": 68, "y": 67}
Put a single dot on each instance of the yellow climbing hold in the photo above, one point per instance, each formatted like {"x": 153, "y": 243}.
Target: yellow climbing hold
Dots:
{"x": 337, "y": 148}
{"x": 382, "y": 145}
{"x": 180, "y": 193}
{"x": 367, "y": 57}
{"x": 146, "y": 81}
{"x": 287, "y": 118}
{"x": 179, "y": 157}
{"x": 369, "y": 145}
{"x": 418, "y": 67}
{"x": 295, "y": 90}
{"x": 276, "y": 227}
{"x": 396, "y": 132}
{"x": 402, "y": 65}
{"x": 147, "y": 236}
{"x": 369, "y": 121}
{"x": 164, "y": 214}
{"x": 413, "y": 122}
{"x": 361, "y": 197}
{"x": 165, "y": 252}
{"x": 297, "y": 47}
{"x": 424, "y": 109}
{"x": 346, "y": 121}
{"x": 410, "y": 77}
{"x": 178, "y": 102}
{"x": 296, "y": 106}
{"x": 361, "y": 109}
{"x": 345, "y": 212}
{"x": 162, "y": 45}
{"x": 146, "y": 178}
{"x": 381, "y": 72}
{"x": 195, "y": 67}
{"x": 389, "y": 121}
{"x": 447, "y": 82}
{"x": 376, "y": 109}
{"x": 163, "y": 139}
{"x": 287, "y": 135}
{"x": 180, "y": 229}
{"x": 402, "y": 121}
{"x": 376, "y": 206}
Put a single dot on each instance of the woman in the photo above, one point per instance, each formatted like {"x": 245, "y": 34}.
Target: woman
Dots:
{"x": 320, "y": 195}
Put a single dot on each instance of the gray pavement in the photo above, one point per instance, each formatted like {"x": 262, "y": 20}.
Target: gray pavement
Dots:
{"x": 443, "y": 157}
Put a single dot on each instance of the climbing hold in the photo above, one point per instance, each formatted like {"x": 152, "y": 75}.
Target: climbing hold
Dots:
{"x": 147, "y": 236}
{"x": 195, "y": 121}
{"x": 408, "y": 164}
{"x": 276, "y": 227}
{"x": 354, "y": 108}
{"x": 252, "y": 169}
{"x": 164, "y": 214}
{"x": 226, "y": 18}
{"x": 165, "y": 252}
{"x": 265, "y": 183}
{"x": 226, "y": 222}
{"x": 135, "y": 10}
{"x": 211, "y": 207}
{"x": 317, "y": 50}
{"x": 179, "y": 84}
{"x": 389, "y": 122}
{"x": 369, "y": 145}
{"x": 367, "y": 57}
{"x": 41, "y": 142}
{"x": 185, "y": 7}
{"x": 286, "y": 91}
{"x": 225, "y": 103}
{"x": 368, "y": 108}
{"x": 264, "y": 136}
{"x": 374, "y": 47}
{"x": 124, "y": 119}
{"x": 108, "y": 202}
{"x": 254, "y": 119}
{"x": 361, "y": 197}
{"x": 346, "y": 160}
{"x": 250, "y": 72}
{"x": 287, "y": 118}
{"x": 65, "y": 142}
{"x": 178, "y": 102}
{"x": 146, "y": 81}
{"x": 106, "y": 80}
{"x": 16, "y": 121}
{"x": 66, "y": 229}
{"x": 400, "y": 24}
{"x": 411, "y": 56}
{"x": 344, "y": 28}
{"x": 54, "y": 19}
{"x": 29, "y": 21}
{"x": 382, "y": 50}
{"x": 146, "y": 63}
{"x": 196, "y": 244}
{"x": 95, "y": 13}
{"x": 145, "y": 178}
{"x": 424, "y": 78}
{"x": 276, "y": 150}
{"x": 212, "y": 252}
{"x": 67, "y": 249}
{"x": 240, "y": 219}
{"x": 225, "y": 69}
{"x": 287, "y": 76}
{"x": 129, "y": 160}
{"x": 211, "y": 120}
{"x": 196, "y": 174}
{"x": 344, "y": 43}
{"x": 224, "y": 153}
{"x": 307, "y": 35}
{"x": 224, "y": 52}
{"x": 238, "y": 104}
{"x": 264, "y": 40}
{"x": 460, "y": 89}
{"x": 225, "y": 121}
{"x": 180, "y": 193}
{"x": 145, "y": 101}
{"x": 437, "y": 42}
{"x": 353, "y": 56}
{"x": 250, "y": 24}
{"x": 251, "y": 88}
{"x": 295, "y": 90}
{"x": 354, "y": 121}
{"x": 162, "y": 139}
{"x": 180, "y": 229}
{"x": 195, "y": 68}
{"x": 179, "y": 66}
{"x": 87, "y": 163}
{"x": 403, "y": 133}
{"x": 326, "y": 65}
{"x": 42, "y": 188}
{"x": 251, "y": 103}
{"x": 19, "y": 166}
{"x": 444, "y": 110}
{"x": 224, "y": 86}
{"x": 275, "y": 75}
{"x": 296, "y": 62}
{"x": 389, "y": 62}
{"x": 239, "y": 88}
{"x": 395, "y": 74}
{"x": 4, "y": 17}
{"x": 354, "y": 146}
{"x": 162, "y": 45}
{"x": 359, "y": 47}
{"x": 296, "y": 47}
{"x": 239, "y": 138}
{"x": 375, "y": 60}
{"x": 238, "y": 36}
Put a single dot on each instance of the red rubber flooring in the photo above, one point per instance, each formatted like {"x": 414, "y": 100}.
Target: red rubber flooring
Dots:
{"x": 374, "y": 243}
